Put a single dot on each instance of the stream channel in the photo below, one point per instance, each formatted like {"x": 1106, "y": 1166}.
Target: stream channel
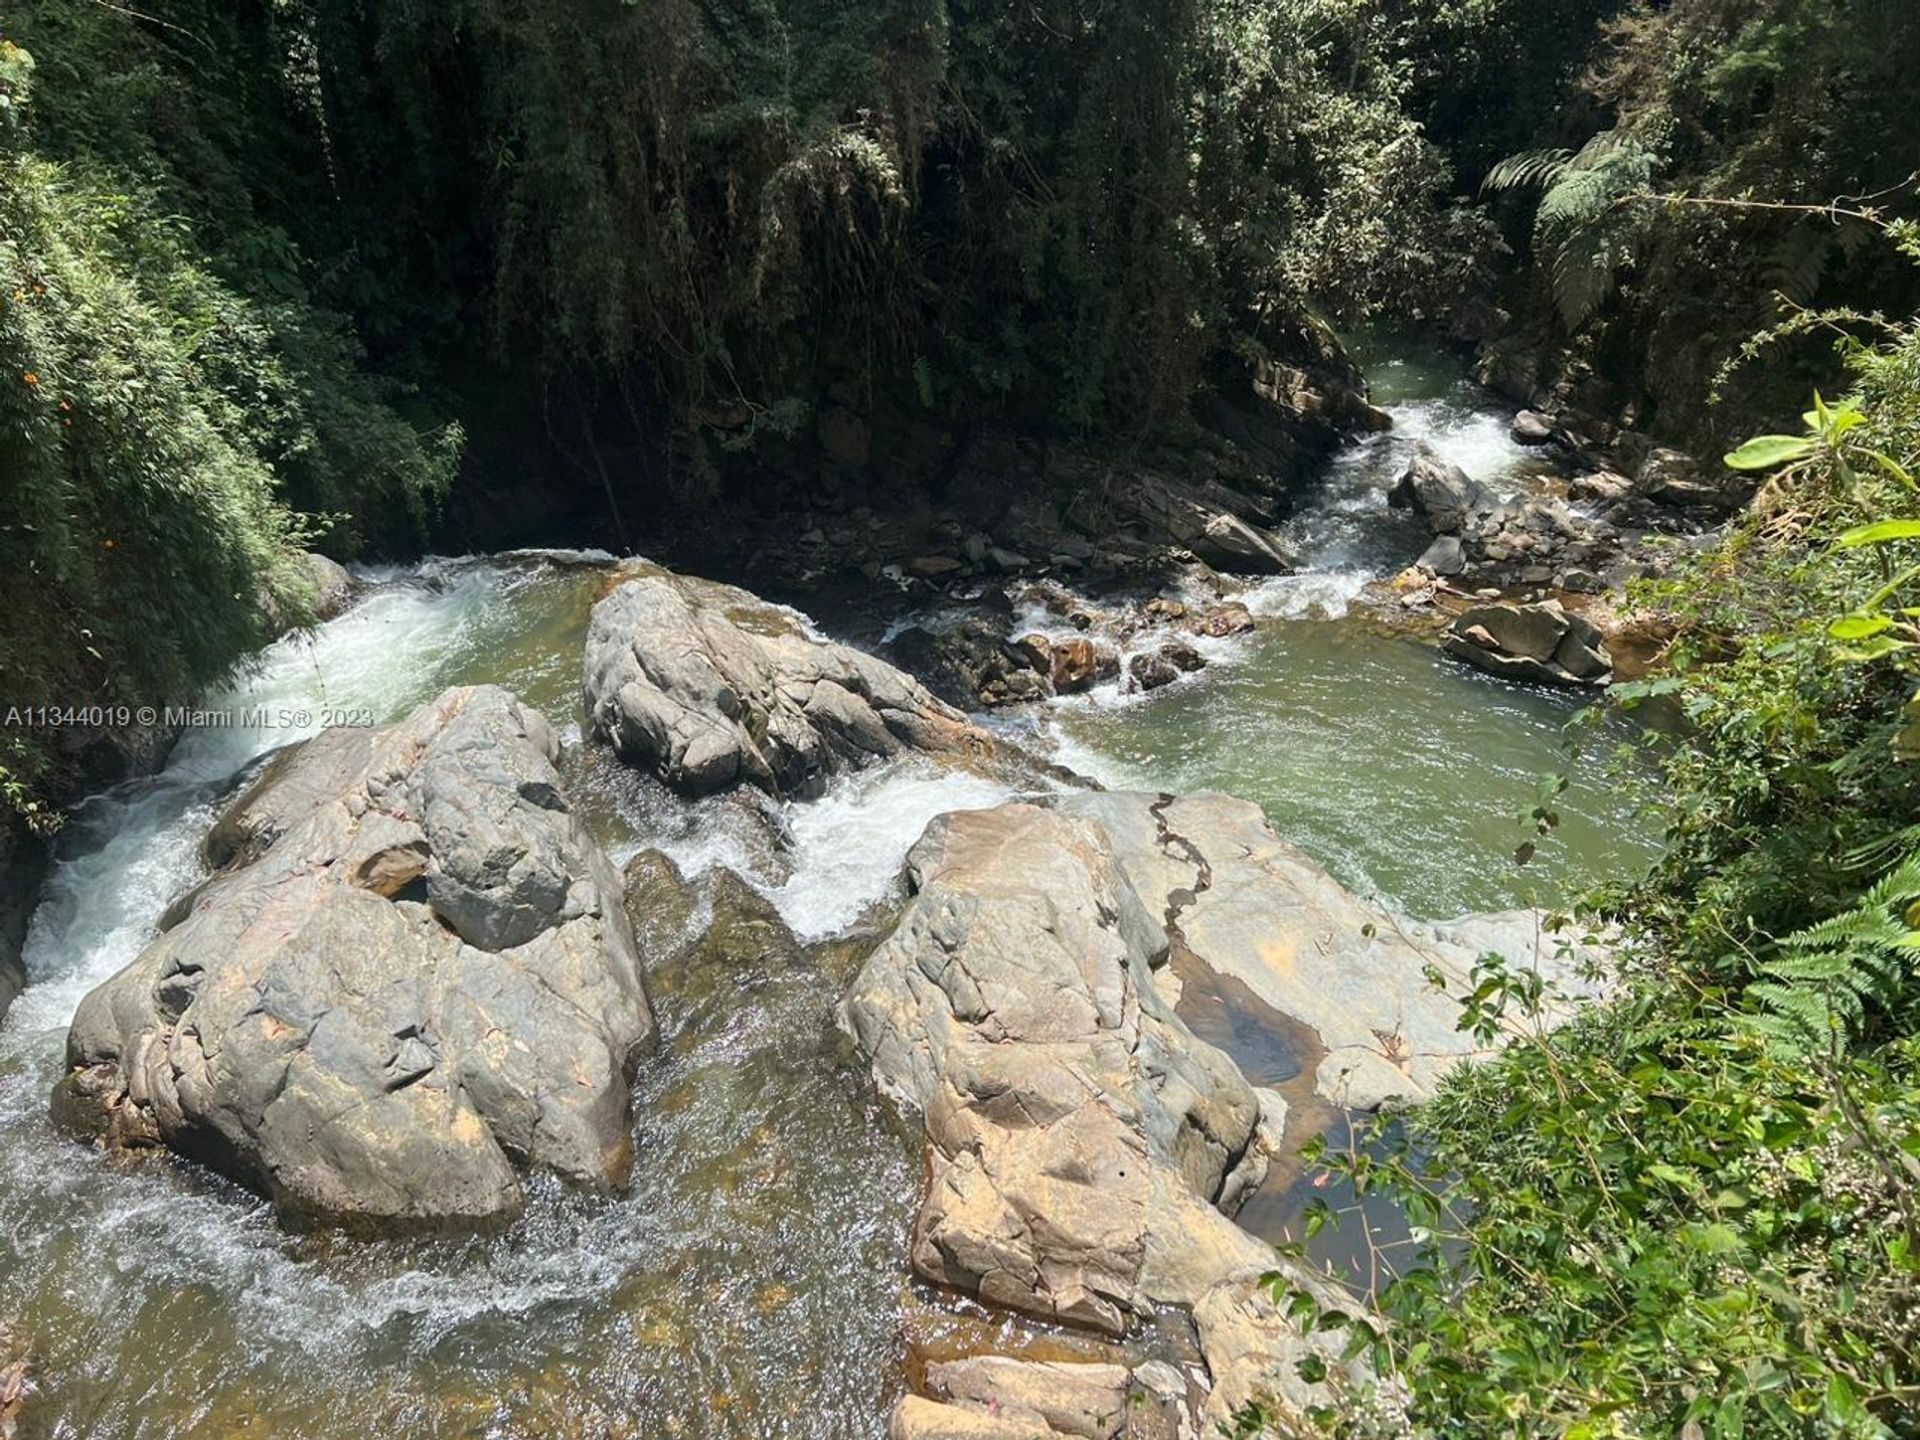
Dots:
{"x": 752, "y": 1284}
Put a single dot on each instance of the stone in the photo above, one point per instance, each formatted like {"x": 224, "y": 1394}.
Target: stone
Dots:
{"x": 1251, "y": 907}
{"x": 845, "y": 436}
{"x": 23, "y": 864}
{"x": 968, "y": 660}
{"x": 1600, "y": 487}
{"x": 1541, "y": 642}
{"x": 1183, "y": 657}
{"x": 1007, "y": 561}
{"x": 414, "y": 980}
{"x": 1085, "y": 1400}
{"x": 1530, "y": 427}
{"x": 1224, "y": 620}
{"x": 332, "y": 585}
{"x": 1254, "y": 1352}
{"x": 1443, "y": 557}
{"x": 1080, "y": 1133}
{"x": 1443, "y": 495}
{"x": 933, "y": 567}
{"x": 1151, "y": 672}
{"x": 918, "y": 1418}
{"x": 1035, "y": 652}
{"x": 708, "y": 686}
{"x": 1072, "y": 666}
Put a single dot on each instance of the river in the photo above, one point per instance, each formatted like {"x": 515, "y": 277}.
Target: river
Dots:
{"x": 751, "y": 1284}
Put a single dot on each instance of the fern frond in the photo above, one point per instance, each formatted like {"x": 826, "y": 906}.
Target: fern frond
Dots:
{"x": 1830, "y": 980}
{"x": 1528, "y": 169}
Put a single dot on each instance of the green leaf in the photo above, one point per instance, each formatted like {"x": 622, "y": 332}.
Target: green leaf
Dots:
{"x": 1858, "y": 627}
{"x": 1879, "y": 533}
{"x": 1770, "y": 452}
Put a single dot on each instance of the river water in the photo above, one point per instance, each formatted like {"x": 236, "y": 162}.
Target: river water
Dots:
{"x": 750, "y": 1286}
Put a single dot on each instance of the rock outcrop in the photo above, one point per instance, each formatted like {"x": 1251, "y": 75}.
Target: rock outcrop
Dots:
{"x": 1542, "y": 642}
{"x": 986, "y": 1396}
{"x": 413, "y": 979}
{"x": 1084, "y": 1144}
{"x": 1443, "y": 495}
{"x": 709, "y": 687}
{"x": 1081, "y": 1134}
{"x": 1247, "y": 905}
{"x": 1528, "y": 540}
{"x": 23, "y": 863}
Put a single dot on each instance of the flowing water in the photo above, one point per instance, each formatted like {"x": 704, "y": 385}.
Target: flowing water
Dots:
{"x": 751, "y": 1284}
{"x": 1406, "y": 773}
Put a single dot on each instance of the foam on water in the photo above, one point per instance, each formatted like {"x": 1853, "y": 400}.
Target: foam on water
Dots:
{"x": 161, "y": 1300}
{"x": 848, "y": 846}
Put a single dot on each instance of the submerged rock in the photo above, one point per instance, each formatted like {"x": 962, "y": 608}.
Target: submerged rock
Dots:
{"x": 1543, "y": 642}
{"x": 710, "y": 686}
{"x": 415, "y": 980}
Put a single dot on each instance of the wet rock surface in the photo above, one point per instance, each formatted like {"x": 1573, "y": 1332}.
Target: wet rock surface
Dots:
{"x": 709, "y": 686}
{"x": 413, "y": 981}
{"x": 23, "y": 862}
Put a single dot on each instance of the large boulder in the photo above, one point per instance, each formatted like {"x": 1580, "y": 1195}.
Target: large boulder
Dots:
{"x": 972, "y": 660}
{"x": 1085, "y": 1145}
{"x": 1081, "y": 1134}
{"x": 414, "y": 980}
{"x": 1443, "y": 495}
{"x": 1542, "y": 642}
{"x": 999, "y": 1395}
{"x": 709, "y": 687}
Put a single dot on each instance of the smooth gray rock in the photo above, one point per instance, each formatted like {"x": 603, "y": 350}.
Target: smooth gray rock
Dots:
{"x": 709, "y": 687}
{"x": 1254, "y": 908}
{"x": 333, "y": 586}
{"x": 414, "y": 980}
{"x": 1530, "y": 427}
{"x": 1443, "y": 495}
{"x": 1444, "y": 556}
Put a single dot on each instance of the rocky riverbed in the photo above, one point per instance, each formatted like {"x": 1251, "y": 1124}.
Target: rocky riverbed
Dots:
{"x": 655, "y": 1014}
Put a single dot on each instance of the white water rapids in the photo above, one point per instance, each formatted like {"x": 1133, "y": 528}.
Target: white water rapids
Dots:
{"x": 751, "y": 1285}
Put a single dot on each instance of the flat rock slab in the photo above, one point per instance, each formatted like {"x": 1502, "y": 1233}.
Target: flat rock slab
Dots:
{"x": 1251, "y": 906}
{"x": 414, "y": 979}
{"x": 710, "y": 686}
{"x": 1541, "y": 642}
